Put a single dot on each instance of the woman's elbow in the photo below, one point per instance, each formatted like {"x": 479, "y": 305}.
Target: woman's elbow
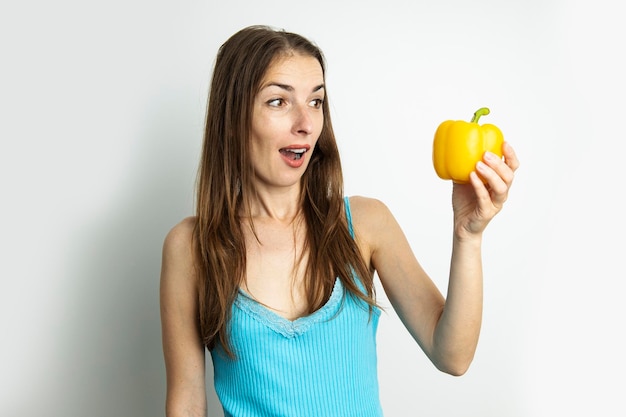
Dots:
{"x": 454, "y": 366}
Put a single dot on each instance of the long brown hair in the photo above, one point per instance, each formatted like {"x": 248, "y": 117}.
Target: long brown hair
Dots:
{"x": 224, "y": 184}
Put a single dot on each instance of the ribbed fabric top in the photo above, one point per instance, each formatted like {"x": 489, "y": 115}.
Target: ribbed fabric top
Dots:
{"x": 321, "y": 365}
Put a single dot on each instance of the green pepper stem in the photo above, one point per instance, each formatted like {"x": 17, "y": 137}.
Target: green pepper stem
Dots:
{"x": 483, "y": 111}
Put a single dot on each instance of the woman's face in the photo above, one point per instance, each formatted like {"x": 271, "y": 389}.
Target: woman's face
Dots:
{"x": 287, "y": 120}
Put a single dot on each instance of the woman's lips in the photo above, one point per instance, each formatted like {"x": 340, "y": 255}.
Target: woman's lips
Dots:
{"x": 294, "y": 155}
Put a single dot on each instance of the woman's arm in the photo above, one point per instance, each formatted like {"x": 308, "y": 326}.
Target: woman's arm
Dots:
{"x": 446, "y": 329}
{"x": 182, "y": 346}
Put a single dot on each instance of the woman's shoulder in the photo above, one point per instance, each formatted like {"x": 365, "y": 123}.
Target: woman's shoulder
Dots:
{"x": 178, "y": 241}
{"x": 367, "y": 208}
{"x": 369, "y": 217}
{"x": 178, "y": 268}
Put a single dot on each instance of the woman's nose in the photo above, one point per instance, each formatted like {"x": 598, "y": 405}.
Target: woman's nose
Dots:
{"x": 303, "y": 122}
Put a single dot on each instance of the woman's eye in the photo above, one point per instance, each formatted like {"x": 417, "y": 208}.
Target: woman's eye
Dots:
{"x": 276, "y": 102}
{"x": 317, "y": 103}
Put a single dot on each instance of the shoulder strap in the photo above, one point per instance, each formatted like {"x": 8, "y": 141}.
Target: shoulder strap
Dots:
{"x": 346, "y": 203}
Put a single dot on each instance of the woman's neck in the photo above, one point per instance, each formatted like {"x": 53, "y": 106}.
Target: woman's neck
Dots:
{"x": 277, "y": 204}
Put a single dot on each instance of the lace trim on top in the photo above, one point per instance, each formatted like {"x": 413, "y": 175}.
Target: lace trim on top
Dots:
{"x": 283, "y": 326}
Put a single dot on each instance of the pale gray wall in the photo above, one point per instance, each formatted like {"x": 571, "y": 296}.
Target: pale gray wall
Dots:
{"x": 101, "y": 111}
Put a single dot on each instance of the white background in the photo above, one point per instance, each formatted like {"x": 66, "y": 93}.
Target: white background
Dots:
{"x": 101, "y": 113}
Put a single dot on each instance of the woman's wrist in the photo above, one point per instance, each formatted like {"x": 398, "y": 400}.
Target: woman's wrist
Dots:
{"x": 466, "y": 238}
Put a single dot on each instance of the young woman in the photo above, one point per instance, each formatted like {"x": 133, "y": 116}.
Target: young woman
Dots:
{"x": 274, "y": 274}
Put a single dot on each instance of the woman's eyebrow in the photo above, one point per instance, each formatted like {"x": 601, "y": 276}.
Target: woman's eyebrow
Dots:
{"x": 289, "y": 88}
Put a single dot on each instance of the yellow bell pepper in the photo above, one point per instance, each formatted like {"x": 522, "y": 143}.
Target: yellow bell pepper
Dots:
{"x": 459, "y": 145}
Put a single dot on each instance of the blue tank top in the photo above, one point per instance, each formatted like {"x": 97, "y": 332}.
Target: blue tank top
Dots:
{"x": 321, "y": 365}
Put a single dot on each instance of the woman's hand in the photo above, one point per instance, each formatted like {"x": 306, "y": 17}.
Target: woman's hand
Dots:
{"x": 476, "y": 203}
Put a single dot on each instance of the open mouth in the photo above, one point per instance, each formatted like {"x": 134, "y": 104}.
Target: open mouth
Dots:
{"x": 293, "y": 154}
